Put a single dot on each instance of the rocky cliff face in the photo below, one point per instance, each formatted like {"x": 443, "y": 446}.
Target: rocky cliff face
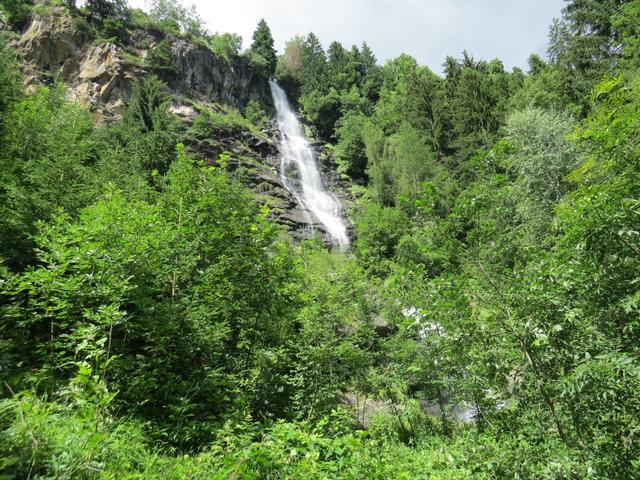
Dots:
{"x": 196, "y": 70}
{"x": 101, "y": 74}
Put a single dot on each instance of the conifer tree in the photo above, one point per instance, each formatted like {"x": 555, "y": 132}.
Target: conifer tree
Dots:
{"x": 263, "y": 46}
{"x": 585, "y": 43}
{"x": 368, "y": 58}
{"x": 314, "y": 64}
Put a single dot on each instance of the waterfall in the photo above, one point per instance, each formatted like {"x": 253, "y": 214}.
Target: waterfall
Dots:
{"x": 300, "y": 173}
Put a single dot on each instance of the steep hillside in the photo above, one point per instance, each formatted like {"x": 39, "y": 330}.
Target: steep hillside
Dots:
{"x": 157, "y": 323}
{"x": 206, "y": 88}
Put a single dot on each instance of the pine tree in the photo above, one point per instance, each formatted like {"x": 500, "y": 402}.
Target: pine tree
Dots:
{"x": 585, "y": 43}
{"x": 314, "y": 64}
{"x": 368, "y": 58}
{"x": 263, "y": 46}
{"x": 336, "y": 57}
{"x": 337, "y": 62}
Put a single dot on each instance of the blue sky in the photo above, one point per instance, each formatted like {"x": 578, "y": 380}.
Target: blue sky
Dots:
{"x": 428, "y": 30}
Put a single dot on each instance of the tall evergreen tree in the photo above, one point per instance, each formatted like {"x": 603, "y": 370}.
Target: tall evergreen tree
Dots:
{"x": 627, "y": 24}
{"x": 337, "y": 60}
{"x": 370, "y": 72}
{"x": 314, "y": 63}
{"x": 585, "y": 42}
{"x": 368, "y": 58}
{"x": 263, "y": 46}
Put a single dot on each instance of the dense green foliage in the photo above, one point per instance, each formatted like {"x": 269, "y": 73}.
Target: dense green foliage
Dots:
{"x": 173, "y": 16}
{"x": 226, "y": 44}
{"x": 263, "y": 46}
{"x": 155, "y": 323}
{"x": 103, "y": 10}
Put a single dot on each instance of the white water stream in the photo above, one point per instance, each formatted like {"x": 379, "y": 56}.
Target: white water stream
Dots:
{"x": 300, "y": 173}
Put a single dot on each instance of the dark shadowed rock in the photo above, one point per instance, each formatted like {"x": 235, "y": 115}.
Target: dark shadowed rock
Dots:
{"x": 382, "y": 327}
{"x": 198, "y": 71}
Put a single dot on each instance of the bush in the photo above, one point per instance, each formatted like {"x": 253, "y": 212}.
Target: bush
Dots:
{"x": 17, "y": 12}
{"x": 350, "y": 150}
{"x": 210, "y": 120}
{"x": 255, "y": 113}
{"x": 226, "y": 45}
{"x": 51, "y": 440}
{"x": 380, "y": 230}
{"x": 160, "y": 58}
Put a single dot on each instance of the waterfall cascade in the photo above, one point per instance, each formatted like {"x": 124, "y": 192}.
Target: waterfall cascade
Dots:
{"x": 300, "y": 173}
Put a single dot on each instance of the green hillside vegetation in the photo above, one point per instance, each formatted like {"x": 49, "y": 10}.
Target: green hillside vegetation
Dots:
{"x": 156, "y": 323}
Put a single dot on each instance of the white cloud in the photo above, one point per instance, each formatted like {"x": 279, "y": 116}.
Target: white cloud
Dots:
{"x": 429, "y": 30}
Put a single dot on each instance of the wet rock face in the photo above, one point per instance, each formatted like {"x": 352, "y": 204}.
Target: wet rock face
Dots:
{"x": 255, "y": 160}
{"x": 300, "y": 221}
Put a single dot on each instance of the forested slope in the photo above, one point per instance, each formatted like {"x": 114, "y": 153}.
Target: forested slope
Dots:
{"x": 157, "y": 323}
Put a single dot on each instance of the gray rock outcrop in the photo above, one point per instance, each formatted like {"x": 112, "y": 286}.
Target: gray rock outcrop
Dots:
{"x": 101, "y": 74}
